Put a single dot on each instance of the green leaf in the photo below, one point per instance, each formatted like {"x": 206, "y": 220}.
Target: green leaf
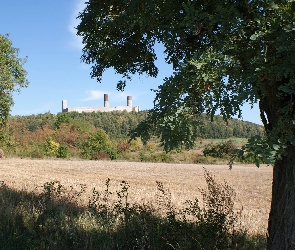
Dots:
{"x": 257, "y": 163}
{"x": 275, "y": 147}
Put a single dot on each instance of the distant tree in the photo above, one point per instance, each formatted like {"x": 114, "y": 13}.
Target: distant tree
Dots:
{"x": 224, "y": 53}
{"x": 98, "y": 143}
{"x": 62, "y": 118}
{"x": 12, "y": 76}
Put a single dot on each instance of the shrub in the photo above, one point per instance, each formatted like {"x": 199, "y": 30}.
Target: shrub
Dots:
{"x": 216, "y": 221}
{"x": 100, "y": 156}
{"x": 136, "y": 144}
{"x": 63, "y": 152}
{"x": 62, "y": 118}
{"x": 123, "y": 146}
{"x": 151, "y": 147}
{"x": 51, "y": 147}
{"x": 98, "y": 143}
{"x": 220, "y": 150}
{"x": 155, "y": 157}
{"x": 37, "y": 153}
{"x": 205, "y": 160}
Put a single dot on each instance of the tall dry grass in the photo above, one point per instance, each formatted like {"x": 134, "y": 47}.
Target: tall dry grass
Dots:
{"x": 252, "y": 185}
{"x": 56, "y": 217}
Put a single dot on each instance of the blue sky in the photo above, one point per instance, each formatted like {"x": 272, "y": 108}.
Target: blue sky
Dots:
{"x": 45, "y": 32}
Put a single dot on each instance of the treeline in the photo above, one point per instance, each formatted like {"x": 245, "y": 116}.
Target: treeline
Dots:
{"x": 218, "y": 129}
{"x": 118, "y": 124}
{"x": 100, "y": 135}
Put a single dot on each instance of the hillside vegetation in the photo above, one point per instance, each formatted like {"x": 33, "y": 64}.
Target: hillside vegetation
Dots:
{"x": 106, "y": 136}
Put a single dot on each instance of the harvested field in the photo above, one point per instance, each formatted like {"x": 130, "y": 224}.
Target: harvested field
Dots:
{"x": 252, "y": 185}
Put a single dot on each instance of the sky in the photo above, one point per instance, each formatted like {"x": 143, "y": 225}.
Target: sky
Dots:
{"x": 44, "y": 31}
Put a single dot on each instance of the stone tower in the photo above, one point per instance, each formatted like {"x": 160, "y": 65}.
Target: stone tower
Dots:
{"x": 106, "y": 100}
{"x": 64, "y": 105}
{"x": 129, "y": 101}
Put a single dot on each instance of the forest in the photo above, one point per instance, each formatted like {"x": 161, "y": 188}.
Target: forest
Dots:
{"x": 106, "y": 135}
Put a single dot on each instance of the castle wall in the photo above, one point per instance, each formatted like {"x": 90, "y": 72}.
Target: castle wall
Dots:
{"x": 106, "y": 107}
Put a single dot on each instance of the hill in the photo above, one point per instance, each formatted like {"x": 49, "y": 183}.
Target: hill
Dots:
{"x": 106, "y": 134}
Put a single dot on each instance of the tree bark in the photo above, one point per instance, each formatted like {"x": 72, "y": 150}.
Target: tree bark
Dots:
{"x": 281, "y": 224}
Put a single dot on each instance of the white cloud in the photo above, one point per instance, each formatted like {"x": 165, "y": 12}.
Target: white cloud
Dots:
{"x": 93, "y": 95}
{"x": 76, "y": 40}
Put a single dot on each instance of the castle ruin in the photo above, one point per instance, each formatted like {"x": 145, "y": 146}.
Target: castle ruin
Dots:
{"x": 105, "y": 108}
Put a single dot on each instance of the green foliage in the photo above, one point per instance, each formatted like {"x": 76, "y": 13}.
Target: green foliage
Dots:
{"x": 136, "y": 144}
{"x": 119, "y": 124}
{"x": 62, "y": 118}
{"x": 155, "y": 157}
{"x": 218, "y": 129}
{"x": 258, "y": 151}
{"x": 116, "y": 124}
{"x": 220, "y": 61}
{"x": 12, "y": 76}
{"x": 25, "y": 135}
{"x": 219, "y": 150}
{"x": 249, "y": 153}
{"x": 224, "y": 54}
{"x": 98, "y": 145}
{"x": 37, "y": 153}
{"x": 51, "y": 147}
{"x": 63, "y": 152}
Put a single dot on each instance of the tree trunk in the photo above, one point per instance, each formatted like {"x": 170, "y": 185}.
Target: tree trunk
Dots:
{"x": 281, "y": 224}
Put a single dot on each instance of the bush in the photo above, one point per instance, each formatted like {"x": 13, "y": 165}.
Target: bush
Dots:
{"x": 100, "y": 156}
{"x": 123, "y": 147}
{"x": 63, "y": 152}
{"x": 220, "y": 150}
{"x": 155, "y": 157}
{"x": 151, "y": 147}
{"x": 37, "y": 153}
{"x": 205, "y": 160}
{"x": 98, "y": 143}
{"x": 51, "y": 147}
{"x": 217, "y": 220}
{"x": 136, "y": 144}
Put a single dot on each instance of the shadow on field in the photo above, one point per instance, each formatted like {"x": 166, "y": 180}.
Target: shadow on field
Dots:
{"x": 54, "y": 220}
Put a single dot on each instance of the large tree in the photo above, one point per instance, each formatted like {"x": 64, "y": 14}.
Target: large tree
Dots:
{"x": 224, "y": 53}
{"x": 12, "y": 76}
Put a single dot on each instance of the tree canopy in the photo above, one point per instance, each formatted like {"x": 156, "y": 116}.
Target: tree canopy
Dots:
{"x": 12, "y": 76}
{"x": 224, "y": 53}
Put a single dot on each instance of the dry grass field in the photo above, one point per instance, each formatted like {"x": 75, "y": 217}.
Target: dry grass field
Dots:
{"x": 252, "y": 185}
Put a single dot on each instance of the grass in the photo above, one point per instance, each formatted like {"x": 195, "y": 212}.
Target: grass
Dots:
{"x": 237, "y": 141}
{"x": 55, "y": 218}
{"x": 252, "y": 185}
{"x": 153, "y": 153}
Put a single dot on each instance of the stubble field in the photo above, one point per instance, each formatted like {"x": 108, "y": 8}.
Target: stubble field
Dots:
{"x": 251, "y": 184}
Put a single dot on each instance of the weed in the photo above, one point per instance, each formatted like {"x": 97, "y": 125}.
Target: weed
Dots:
{"x": 219, "y": 218}
{"x": 55, "y": 220}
